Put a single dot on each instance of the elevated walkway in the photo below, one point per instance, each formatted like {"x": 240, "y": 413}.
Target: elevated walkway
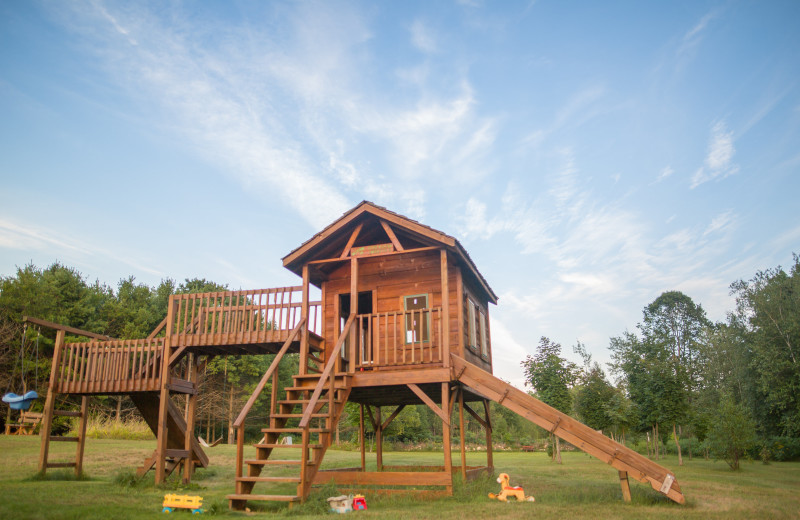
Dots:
{"x": 576, "y": 433}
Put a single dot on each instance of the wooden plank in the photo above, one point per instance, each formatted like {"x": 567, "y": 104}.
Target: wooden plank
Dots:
{"x": 461, "y": 435}
{"x": 47, "y": 419}
{"x": 84, "y": 414}
{"x": 391, "y": 235}
{"x": 428, "y": 401}
{"x": 71, "y": 330}
{"x": 351, "y": 241}
{"x": 625, "y": 485}
{"x": 489, "y": 447}
{"x": 445, "y": 340}
{"x": 448, "y": 456}
{"x": 384, "y": 478}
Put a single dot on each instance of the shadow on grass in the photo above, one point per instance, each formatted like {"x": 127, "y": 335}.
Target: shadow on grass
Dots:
{"x": 65, "y": 475}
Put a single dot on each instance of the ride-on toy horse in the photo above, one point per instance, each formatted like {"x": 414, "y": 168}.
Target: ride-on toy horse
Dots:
{"x": 508, "y": 491}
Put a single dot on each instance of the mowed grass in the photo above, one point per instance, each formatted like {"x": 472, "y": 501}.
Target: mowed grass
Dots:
{"x": 580, "y": 488}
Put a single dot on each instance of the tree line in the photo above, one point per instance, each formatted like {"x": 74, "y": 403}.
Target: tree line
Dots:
{"x": 730, "y": 388}
{"x": 681, "y": 382}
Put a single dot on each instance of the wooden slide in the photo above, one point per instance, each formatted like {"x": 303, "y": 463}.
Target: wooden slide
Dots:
{"x": 627, "y": 461}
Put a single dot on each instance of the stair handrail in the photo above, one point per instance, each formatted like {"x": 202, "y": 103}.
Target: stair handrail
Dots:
{"x": 273, "y": 366}
{"x": 238, "y": 424}
{"x": 327, "y": 372}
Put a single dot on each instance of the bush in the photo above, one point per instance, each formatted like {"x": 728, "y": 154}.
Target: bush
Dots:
{"x": 732, "y": 433}
{"x": 781, "y": 449}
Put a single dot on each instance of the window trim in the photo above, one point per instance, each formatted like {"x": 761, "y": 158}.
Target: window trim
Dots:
{"x": 426, "y": 329}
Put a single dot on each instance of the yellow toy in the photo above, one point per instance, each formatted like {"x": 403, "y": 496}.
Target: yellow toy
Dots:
{"x": 183, "y": 502}
{"x": 508, "y": 491}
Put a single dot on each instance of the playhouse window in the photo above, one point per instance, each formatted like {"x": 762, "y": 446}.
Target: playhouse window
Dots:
{"x": 417, "y": 324}
{"x": 477, "y": 328}
{"x": 471, "y": 319}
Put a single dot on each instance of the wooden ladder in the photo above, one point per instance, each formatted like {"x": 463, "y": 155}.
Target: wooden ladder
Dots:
{"x": 46, "y": 437}
{"x": 316, "y": 439}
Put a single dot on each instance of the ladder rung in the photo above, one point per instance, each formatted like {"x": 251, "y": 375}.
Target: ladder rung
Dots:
{"x": 270, "y": 462}
{"x": 294, "y": 430}
{"x": 60, "y": 465}
{"x": 58, "y": 438}
{"x": 274, "y": 498}
{"x": 177, "y": 454}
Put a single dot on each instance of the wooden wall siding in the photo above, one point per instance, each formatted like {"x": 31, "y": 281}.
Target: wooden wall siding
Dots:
{"x": 240, "y": 317}
{"x": 393, "y": 277}
{"x": 118, "y": 366}
{"x": 469, "y": 354}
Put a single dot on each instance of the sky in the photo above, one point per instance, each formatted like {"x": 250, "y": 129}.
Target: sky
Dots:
{"x": 588, "y": 155}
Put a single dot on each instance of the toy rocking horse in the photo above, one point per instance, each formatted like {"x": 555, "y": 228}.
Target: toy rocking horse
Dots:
{"x": 507, "y": 491}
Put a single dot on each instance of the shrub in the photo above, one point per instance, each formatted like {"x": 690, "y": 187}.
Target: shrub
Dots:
{"x": 732, "y": 433}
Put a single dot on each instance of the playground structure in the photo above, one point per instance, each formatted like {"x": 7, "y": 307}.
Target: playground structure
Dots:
{"x": 403, "y": 319}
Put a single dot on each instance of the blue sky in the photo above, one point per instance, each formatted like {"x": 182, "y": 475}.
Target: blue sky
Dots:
{"x": 589, "y": 155}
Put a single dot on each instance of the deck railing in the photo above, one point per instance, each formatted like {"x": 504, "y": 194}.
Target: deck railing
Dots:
{"x": 399, "y": 338}
{"x": 110, "y": 366}
{"x": 231, "y": 317}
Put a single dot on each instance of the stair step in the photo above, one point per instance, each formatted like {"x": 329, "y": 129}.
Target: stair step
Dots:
{"x": 268, "y": 479}
{"x": 294, "y": 430}
{"x": 270, "y": 462}
{"x": 265, "y": 498}
{"x": 298, "y": 415}
{"x": 312, "y": 446}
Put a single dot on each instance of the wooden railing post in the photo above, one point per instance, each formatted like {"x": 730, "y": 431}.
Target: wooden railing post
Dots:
{"x": 304, "y": 317}
{"x": 445, "y": 316}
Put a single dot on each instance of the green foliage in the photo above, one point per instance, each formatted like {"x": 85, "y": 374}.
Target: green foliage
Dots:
{"x": 732, "y": 433}
{"x": 769, "y": 304}
{"x": 550, "y": 375}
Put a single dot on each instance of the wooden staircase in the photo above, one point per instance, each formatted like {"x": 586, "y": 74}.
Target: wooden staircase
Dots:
{"x": 293, "y": 464}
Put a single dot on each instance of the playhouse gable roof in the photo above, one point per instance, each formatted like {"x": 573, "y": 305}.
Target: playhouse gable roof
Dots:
{"x": 332, "y": 241}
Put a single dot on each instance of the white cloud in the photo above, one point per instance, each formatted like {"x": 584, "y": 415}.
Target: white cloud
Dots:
{"x": 665, "y": 172}
{"x": 422, "y": 38}
{"x": 719, "y": 159}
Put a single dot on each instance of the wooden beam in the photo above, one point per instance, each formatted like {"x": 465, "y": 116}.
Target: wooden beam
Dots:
{"x": 391, "y": 235}
{"x": 372, "y": 419}
{"x": 81, "y": 436}
{"x": 445, "y": 339}
{"x": 71, "y": 330}
{"x": 448, "y": 456}
{"x": 475, "y": 415}
{"x": 461, "y": 436}
{"x": 47, "y": 416}
{"x": 428, "y": 401}
{"x": 350, "y": 242}
{"x": 392, "y": 253}
{"x": 361, "y": 438}
{"x": 625, "y": 485}
{"x": 391, "y": 417}
{"x": 158, "y": 329}
{"x": 489, "y": 458}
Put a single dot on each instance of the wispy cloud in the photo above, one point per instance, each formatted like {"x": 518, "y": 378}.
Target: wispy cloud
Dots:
{"x": 694, "y": 36}
{"x": 719, "y": 159}
{"x": 422, "y": 37}
{"x": 667, "y": 171}
{"x": 14, "y": 235}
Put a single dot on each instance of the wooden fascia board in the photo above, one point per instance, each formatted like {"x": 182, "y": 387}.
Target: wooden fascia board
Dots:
{"x": 359, "y": 210}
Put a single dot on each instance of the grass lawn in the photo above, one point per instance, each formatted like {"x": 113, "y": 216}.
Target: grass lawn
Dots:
{"x": 580, "y": 488}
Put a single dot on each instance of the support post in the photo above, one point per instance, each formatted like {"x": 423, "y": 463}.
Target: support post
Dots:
{"x": 304, "y": 331}
{"x": 81, "y": 436}
{"x": 163, "y": 409}
{"x": 625, "y": 485}
{"x": 461, "y": 432}
{"x": 191, "y": 406}
{"x": 448, "y": 458}
{"x": 445, "y": 339}
{"x": 489, "y": 458}
{"x": 378, "y": 438}
{"x": 361, "y": 438}
{"x": 353, "y": 310}
{"x": 47, "y": 415}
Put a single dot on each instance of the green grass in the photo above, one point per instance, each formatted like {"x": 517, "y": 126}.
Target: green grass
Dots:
{"x": 580, "y": 488}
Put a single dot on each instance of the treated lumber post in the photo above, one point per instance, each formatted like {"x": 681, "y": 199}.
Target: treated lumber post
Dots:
{"x": 47, "y": 416}
{"x": 361, "y": 438}
{"x": 161, "y": 442}
{"x": 625, "y": 485}
{"x": 81, "y": 436}
{"x": 191, "y": 404}
{"x": 445, "y": 339}
{"x": 461, "y": 432}
{"x": 353, "y": 311}
{"x": 489, "y": 458}
{"x": 378, "y": 438}
{"x": 448, "y": 459}
{"x": 304, "y": 316}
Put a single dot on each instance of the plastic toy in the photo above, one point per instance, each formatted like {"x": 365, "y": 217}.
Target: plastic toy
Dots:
{"x": 171, "y": 502}
{"x": 341, "y": 504}
{"x": 20, "y": 402}
{"x": 359, "y": 503}
{"x": 507, "y": 491}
